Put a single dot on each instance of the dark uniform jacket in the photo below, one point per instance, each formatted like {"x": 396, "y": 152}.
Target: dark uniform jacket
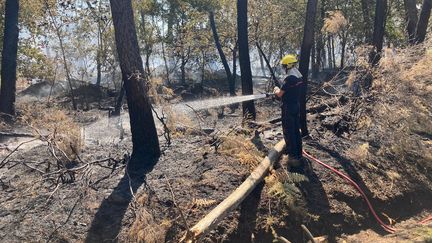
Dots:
{"x": 291, "y": 87}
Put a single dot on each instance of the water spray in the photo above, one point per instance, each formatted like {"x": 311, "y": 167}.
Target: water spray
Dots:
{"x": 218, "y": 102}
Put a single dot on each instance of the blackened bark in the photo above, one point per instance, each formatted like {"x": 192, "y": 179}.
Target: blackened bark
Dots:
{"x": 411, "y": 19}
{"x": 9, "y": 58}
{"x": 245, "y": 67}
{"x": 234, "y": 65}
{"x": 230, "y": 78}
{"x": 172, "y": 12}
{"x": 343, "y": 47}
{"x": 183, "y": 68}
{"x": 99, "y": 72}
{"x": 333, "y": 48}
{"x": 144, "y": 135}
{"x": 329, "y": 53}
{"x": 379, "y": 31}
{"x": 263, "y": 71}
{"x": 423, "y": 21}
{"x": 321, "y": 42}
{"x": 314, "y": 62}
{"x": 308, "y": 39}
{"x": 366, "y": 20}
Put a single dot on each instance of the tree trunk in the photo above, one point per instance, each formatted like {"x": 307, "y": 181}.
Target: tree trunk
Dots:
{"x": 57, "y": 30}
{"x": 224, "y": 61}
{"x": 234, "y": 66}
{"x": 263, "y": 71}
{"x": 99, "y": 43}
{"x": 173, "y": 5}
{"x": 323, "y": 54}
{"x": 329, "y": 53}
{"x": 119, "y": 102}
{"x": 411, "y": 19}
{"x": 99, "y": 73}
{"x": 308, "y": 39}
{"x": 9, "y": 58}
{"x": 144, "y": 135}
{"x": 423, "y": 21}
{"x": 379, "y": 31}
{"x": 166, "y": 63}
{"x": 99, "y": 56}
{"x": 218, "y": 213}
{"x": 366, "y": 20}
{"x": 245, "y": 66}
{"x": 147, "y": 50}
{"x": 320, "y": 53}
{"x": 183, "y": 68}
{"x": 314, "y": 62}
{"x": 343, "y": 47}
{"x": 333, "y": 49}
{"x": 321, "y": 42}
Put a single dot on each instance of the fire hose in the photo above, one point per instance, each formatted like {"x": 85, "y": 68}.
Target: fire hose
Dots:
{"x": 385, "y": 226}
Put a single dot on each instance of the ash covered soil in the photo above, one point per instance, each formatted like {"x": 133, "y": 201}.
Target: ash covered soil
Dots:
{"x": 96, "y": 201}
{"x": 191, "y": 177}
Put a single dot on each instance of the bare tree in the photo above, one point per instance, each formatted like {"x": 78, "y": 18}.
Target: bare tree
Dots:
{"x": 230, "y": 76}
{"x": 57, "y": 29}
{"x": 245, "y": 66}
{"x": 102, "y": 27}
{"x": 379, "y": 31}
{"x": 308, "y": 40}
{"x": 144, "y": 135}
{"x": 366, "y": 20}
{"x": 9, "y": 58}
{"x": 411, "y": 19}
{"x": 423, "y": 21}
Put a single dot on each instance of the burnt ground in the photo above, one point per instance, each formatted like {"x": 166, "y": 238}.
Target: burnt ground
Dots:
{"x": 157, "y": 204}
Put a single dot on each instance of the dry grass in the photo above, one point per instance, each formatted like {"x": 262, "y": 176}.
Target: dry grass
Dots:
{"x": 145, "y": 229}
{"x": 359, "y": 153}
{"x": 178, "y": 123}
{"x": 22, "y": 84}
{"x": 3, "y": 126}
{"x": 335, "y": 23}
{"x": 400, "y": 116}
{"x": 360, "y": 77}
{"x": 54, "y": 121}
{"x": 242, "y": 149}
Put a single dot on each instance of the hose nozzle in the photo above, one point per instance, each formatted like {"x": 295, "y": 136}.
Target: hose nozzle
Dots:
{"x": 269, "y": 95}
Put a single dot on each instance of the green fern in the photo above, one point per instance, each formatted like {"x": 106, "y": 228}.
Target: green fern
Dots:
{"x": 284, "y": 188}
{"x": 290, "y": 177}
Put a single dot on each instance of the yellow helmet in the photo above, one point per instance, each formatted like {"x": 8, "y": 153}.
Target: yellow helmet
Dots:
{"x": 289, "y": 60}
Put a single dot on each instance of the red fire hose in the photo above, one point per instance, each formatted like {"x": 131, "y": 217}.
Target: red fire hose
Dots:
{"x": 426, "y": 220}
{"x": 386, "y": 227}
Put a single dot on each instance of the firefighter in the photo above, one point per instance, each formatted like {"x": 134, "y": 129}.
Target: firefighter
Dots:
{"x": 290, "y": 96}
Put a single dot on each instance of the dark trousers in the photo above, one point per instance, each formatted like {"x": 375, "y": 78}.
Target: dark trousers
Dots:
{"x": 291, "y": 132}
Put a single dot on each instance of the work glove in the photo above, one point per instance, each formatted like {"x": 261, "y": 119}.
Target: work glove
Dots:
{"x": 276, "y": 90}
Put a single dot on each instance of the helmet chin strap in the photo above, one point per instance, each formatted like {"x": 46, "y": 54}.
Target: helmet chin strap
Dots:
{"x": 288, "y": 67}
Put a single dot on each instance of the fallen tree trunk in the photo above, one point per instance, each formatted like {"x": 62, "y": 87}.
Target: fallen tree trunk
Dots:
{"x": 14, "y": 134}
{"x": 232, "y": 201}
